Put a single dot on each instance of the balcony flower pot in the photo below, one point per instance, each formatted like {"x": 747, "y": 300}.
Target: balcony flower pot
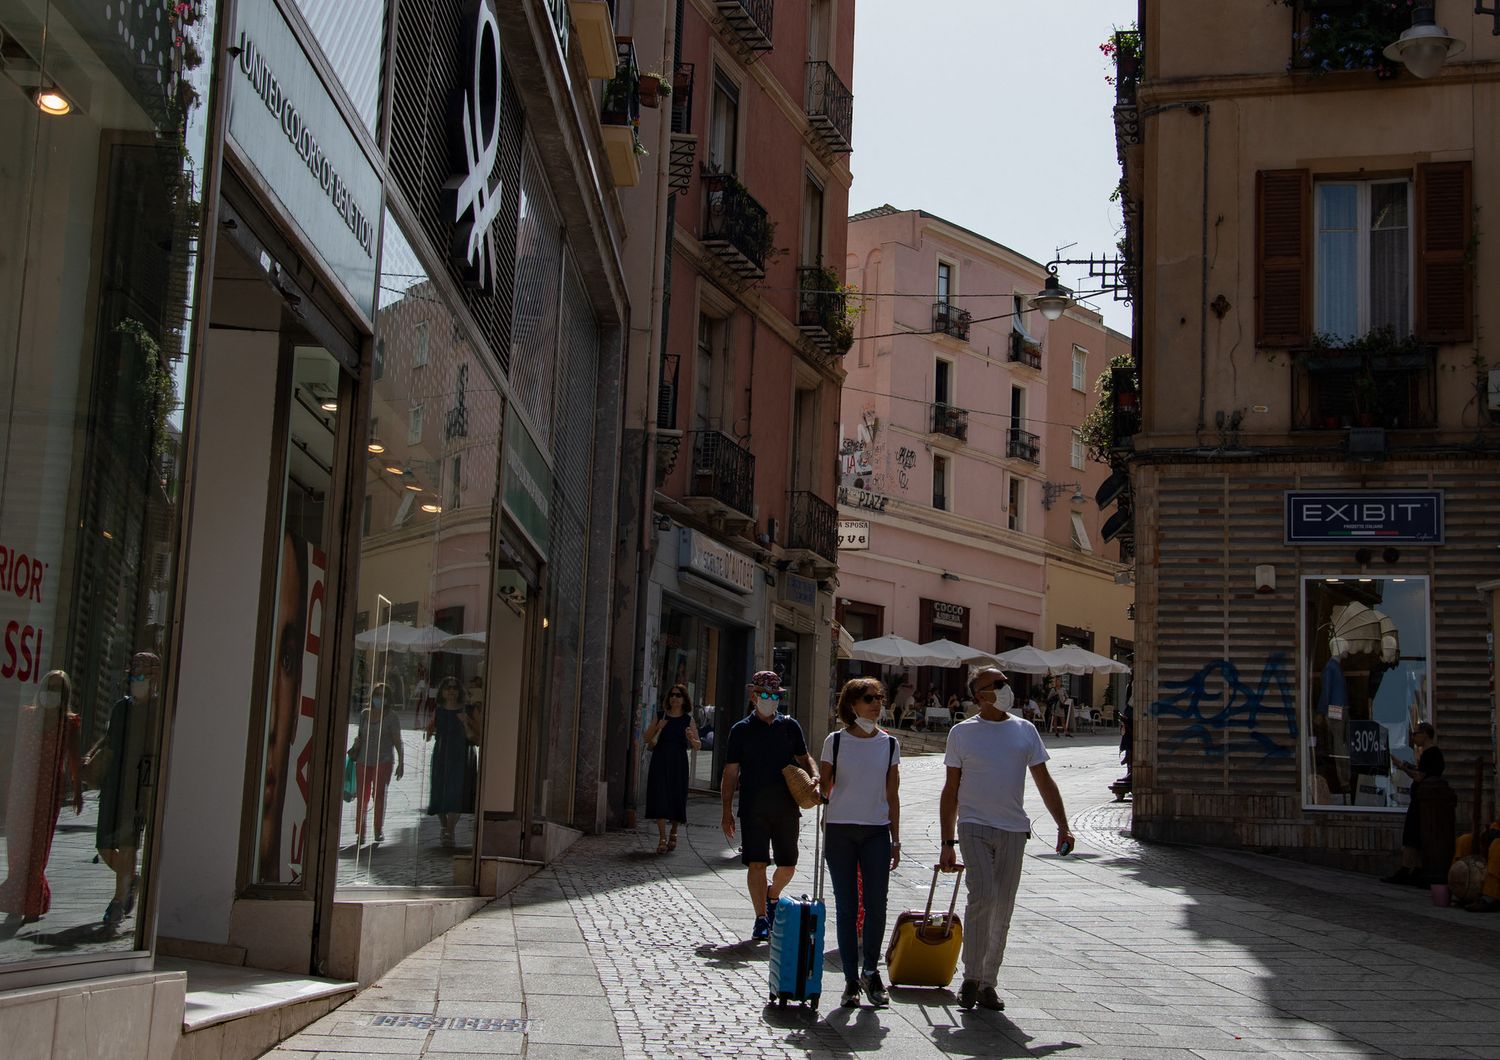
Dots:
{"x": 652, "y": 89}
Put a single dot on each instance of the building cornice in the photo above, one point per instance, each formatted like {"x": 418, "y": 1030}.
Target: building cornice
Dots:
{"x": 1161, "y": 92}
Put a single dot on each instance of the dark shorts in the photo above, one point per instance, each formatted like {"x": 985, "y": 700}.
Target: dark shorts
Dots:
{"x": 762, "y": 836}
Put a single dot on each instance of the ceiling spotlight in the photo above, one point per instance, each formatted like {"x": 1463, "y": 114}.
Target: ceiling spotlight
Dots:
{"x": 414, "y": 486}
{"x": 376, "y": 446}
{"x": 329, "y": 406}
{"x": 51, "y": 101}
{"x": 432, "y": 507}
{"x": 395, "y": 469}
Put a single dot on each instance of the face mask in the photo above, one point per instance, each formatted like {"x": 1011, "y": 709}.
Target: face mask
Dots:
{"x": 765, "y": 707}
{"x": 377, "y": 701}
{"x": 49, "y": 698}
{"x": 140, "y": 688}
{"x": 1005, "y": 699}
{"x": 865, "y": 723}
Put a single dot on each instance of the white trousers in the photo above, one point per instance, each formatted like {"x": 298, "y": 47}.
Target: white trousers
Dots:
{"x": 992, "y": 874}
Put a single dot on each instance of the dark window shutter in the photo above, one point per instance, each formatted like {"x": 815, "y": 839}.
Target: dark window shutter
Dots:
{"x": 1283, "y": 269}
{"x": 1445, "y": 273}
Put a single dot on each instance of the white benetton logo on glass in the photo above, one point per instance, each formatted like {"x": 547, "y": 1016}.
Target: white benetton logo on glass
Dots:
{"x": 474, "y": 142}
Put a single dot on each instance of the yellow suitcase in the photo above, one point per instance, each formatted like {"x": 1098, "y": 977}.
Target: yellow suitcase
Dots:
{"x": 924, "y": 948}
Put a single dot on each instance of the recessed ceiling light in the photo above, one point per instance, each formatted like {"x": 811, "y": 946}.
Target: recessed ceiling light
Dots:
{"x": 329, "y": 406}
{"x": 414, "y": 486}
{"x": 376, "y": 446}
{"x": 1330, "y": 579}
{"x": 432, "y": 507}
{"x": 395, "y": 469}
{"x": 51, "y": 101}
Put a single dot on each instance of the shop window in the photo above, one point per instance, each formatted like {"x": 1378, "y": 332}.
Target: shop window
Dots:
{"x": 1369, "y": 682}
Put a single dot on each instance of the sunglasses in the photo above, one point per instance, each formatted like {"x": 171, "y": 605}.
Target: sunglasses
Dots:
{"x": 872, "y": 697}
{"x": 985, "y": 688}
{"x": 770, "y": 695}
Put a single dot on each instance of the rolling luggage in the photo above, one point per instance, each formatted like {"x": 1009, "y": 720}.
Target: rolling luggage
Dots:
{"x": 796, "y": 964}
{"x": 924, "y": 948}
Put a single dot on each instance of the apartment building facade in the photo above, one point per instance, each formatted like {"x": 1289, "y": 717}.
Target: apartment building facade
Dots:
{"x": 966, "y": 492}
{"x": 1313, "y": 478}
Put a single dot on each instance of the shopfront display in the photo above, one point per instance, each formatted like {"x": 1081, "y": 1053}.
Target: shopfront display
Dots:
{"x": 102, "y": 111}
{"x": 1368, "y": 680}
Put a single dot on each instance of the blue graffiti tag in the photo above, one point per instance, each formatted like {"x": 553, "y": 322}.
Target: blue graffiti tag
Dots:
{"x": 1246, "y": 711}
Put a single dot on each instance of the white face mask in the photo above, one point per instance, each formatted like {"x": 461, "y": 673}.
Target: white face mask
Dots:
{"x": 865, "y": 723}
{"x": 765, "y": 707}
{"x": 49, "y": 698}
{"x": 1005, "y": 699}
{"x": 141, "y": 689}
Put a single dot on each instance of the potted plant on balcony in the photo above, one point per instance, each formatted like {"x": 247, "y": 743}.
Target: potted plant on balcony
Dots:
{"x": 654, "y": 87}
{"x": 1333, "y": 35}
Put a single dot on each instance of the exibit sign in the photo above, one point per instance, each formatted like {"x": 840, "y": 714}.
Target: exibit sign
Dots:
{"x": 1383, "y": 516}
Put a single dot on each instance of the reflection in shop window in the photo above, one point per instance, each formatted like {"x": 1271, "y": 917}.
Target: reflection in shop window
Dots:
{"x": 1368, "y": 684}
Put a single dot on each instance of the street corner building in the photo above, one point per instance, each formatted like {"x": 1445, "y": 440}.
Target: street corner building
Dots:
{"x": 1313, "y": 474}
{"x": 312, "y": 330}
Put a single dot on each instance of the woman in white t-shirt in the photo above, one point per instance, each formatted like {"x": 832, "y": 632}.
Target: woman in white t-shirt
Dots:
{"x": 861, "y": 780}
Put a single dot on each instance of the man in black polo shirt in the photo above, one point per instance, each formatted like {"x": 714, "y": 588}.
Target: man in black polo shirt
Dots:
{"x": 761, "y": 745}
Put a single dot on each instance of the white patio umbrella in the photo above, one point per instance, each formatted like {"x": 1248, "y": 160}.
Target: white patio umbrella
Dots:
{"x": 1024, "y": 660}
{"x": 957, "y": 654}
{"x": 465, "y": 643}
{"x": 403, "y": 636}
{"x": 892, "y": 650}
{"x": 1071, "y": 659}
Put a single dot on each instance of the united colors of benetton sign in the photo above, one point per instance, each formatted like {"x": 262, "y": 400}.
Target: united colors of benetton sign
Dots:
{"x": 1383, "y": 516}
{"x": 474, "y": 144}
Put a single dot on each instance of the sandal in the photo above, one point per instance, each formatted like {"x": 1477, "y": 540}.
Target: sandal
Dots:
{"x": 672, "y": 840}
{"x": 661, "y": 846}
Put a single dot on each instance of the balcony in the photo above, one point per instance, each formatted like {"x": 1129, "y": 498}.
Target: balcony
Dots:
{"x": 1333, "y": 389}
{"x": 950, "y": 421}
{"x": 594, "y": 23}
{"x": 723, "y": 472}
{"x": 749, "y": 21}
{"x": 830, "y": 108}
{"x": 814, "y": 526}
{"x": 1022, "y": 445}
{"x": 1333, "y": 35}
{"x": 1129, "y": 56}
{"x": 620, "y": 118}
{"x": 1023, "y": 352}
{"x": 821, "y": 312}
{"x": 948, "y": 319}
{"x": 736, "y": 227}
{"x": 684, "y": 143}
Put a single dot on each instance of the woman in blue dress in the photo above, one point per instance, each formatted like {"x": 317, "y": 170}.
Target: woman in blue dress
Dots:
{"x": 454, "y": 728}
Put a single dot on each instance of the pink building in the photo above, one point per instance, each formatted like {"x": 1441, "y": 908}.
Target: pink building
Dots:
{"x": 966, "y": 495}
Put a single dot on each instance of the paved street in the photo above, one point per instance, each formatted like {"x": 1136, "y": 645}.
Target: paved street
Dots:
{"x": 1117, "y": 951}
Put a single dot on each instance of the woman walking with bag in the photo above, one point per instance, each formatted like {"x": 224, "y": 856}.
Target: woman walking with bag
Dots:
{"x": 669, "y": 738}
{"x": 861, "y": 779}
{"x": 455, "y": 730}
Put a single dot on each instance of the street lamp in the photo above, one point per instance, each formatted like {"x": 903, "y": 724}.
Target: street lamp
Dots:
{"x": 1054, "y": 299}
{"x": 1425, "y": 46}
{"x": 1053, "y": 490}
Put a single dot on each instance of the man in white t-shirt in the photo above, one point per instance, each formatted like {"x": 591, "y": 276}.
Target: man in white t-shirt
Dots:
{"x": 982, "y": 813}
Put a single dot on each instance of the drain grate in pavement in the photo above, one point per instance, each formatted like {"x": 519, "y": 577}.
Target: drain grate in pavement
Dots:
{"x": 451, "y": 1023}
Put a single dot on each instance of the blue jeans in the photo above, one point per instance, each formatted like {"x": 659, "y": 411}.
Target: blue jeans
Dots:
{"x": 867, "y": 848}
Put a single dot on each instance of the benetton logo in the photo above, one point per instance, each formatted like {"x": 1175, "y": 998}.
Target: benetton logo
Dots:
{"x": 473, "y": 146}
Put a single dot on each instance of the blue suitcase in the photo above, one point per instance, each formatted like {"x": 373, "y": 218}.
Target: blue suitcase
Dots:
{"x": 796, "y": 965}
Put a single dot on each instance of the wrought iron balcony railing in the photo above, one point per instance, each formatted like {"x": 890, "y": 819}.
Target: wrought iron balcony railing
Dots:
{"x": 682, "y": 98}
{"x": 830, "y": 107}
{"x": 950, "y": 420}
{"x": 948, "y": 319}
{"x": 723, "y": 470}
{"x": 814, "y": 525}
{"x": 1333, "y": 389}
{"x": 622, "y": 95}
{"x": 821, "y": 312}
{"x": 1022, "y": 445}
{"x": 749, "y": 20}
{"x": 736, "y": 227}
{"x": 1022, "y": 352}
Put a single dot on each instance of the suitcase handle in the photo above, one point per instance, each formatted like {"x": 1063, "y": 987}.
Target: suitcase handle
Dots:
{"x": 952, "y": 905}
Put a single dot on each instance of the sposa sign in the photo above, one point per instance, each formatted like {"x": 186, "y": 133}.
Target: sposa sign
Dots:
{"x": 22, "y": 576}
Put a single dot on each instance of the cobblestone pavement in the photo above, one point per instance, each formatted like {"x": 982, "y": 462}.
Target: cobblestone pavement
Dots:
{"x": 1121, "y": 950}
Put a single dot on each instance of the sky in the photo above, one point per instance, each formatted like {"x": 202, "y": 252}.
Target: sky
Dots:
{"x": 995, "y": 115}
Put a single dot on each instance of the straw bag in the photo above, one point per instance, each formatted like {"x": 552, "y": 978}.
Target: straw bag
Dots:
{"x": 803, "y": 787}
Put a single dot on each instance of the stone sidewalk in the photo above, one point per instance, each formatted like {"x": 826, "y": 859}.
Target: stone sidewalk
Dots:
{"x": 1121, "y": 950}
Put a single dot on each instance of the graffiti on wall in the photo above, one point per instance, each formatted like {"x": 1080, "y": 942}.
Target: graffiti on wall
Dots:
{"x": 906, "y": 459}
{"x": 861, "y": 457}
{"x": 1226, "y": 714}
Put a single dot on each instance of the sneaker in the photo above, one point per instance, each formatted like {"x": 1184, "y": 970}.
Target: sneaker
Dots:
{"x": 875, "y": 990}
{"x": 990, "y": 1000}
{"x": 380, "y": 837}
{"x": 968, "y": 993}
{"x": 761, "y": 931}
{"x": 113, "y": 913}
{"x": 851, "y": 995}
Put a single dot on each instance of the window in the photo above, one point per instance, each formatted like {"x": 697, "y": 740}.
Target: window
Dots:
{"x": 1080, "y": 369}
{"x": 804, "y": 452}
{"x": 942, "y": 382}
{"x": 710, "y": 342}
{"x": 812, "y": 221}
{"x": 1363, "y": 258}
{"x": 940, "y": 482}
{"x": 817, "y": 29}
{"x": 1078, "y": 452}
{"x": 419, "y": 344}
{"x": 944, "y": 281}
{"x": 414, "y": 425}
{"x": 724, "y": 126}
{"x": 1015, "y": 516}
{"x": 1080, "y": 534}
{"x": 1366, "y": 672}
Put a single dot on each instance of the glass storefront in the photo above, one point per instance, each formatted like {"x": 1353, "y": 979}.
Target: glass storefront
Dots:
{"x": 1368, "y": 680}
{"x": 707, "y": 658}
{"x": 417, "y": 719}
{"x": 102, "y": 111}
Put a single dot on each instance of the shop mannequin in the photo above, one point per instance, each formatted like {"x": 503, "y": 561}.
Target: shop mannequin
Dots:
{"x": 1330, "y": 720}
{"x": 44, "y": 760}
{"x": 125, "y": 791}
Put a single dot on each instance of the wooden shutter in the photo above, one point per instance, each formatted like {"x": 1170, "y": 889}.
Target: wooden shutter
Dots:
{"x": 1283, "y": 268}
{"x": 1445, "y": 272}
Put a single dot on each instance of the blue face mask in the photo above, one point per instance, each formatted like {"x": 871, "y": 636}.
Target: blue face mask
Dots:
{"x": 377, "y": 701}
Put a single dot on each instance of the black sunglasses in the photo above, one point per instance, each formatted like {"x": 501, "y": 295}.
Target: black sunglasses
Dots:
{"x": 872, "y": 697}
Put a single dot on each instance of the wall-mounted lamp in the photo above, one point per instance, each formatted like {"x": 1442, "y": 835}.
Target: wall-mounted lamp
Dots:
{"x": 1130, "y": 612}
{"x": 1052, "y": 490}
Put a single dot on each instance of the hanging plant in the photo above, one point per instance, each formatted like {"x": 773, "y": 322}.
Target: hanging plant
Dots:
{"x": 155, "y": 390}
{"x": 1097, "y": 432}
